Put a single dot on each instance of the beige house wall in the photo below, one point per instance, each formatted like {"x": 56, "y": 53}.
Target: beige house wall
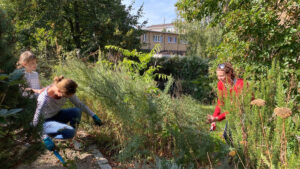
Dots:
{"x": 169, "y": 47}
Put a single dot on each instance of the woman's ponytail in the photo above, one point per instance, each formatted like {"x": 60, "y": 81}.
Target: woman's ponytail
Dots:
{"x": 66, "y": 86}
{"x": 57, "y": 79}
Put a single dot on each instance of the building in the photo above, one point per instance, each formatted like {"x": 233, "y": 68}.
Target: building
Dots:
{"x": 166, "y": 36}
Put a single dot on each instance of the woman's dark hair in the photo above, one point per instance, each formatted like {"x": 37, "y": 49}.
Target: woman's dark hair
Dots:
{"x": 66, "y": 86}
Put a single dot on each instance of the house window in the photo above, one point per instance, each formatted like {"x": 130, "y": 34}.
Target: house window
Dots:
{"x": 157, "y": 38}
{"x": 172, "y": 39}
{"x": 144, "y": 37}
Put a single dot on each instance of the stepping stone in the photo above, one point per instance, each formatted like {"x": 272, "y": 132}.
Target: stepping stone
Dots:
{"x": 101, "y": 160}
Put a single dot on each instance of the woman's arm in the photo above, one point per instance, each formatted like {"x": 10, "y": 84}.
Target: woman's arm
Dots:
{"x": 40, "y": 105}
{"x": 217, "y": 115}
{"x": 75, "y": 100}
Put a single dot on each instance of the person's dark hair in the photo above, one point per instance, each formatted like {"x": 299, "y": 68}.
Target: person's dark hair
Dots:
{"x": 227, "y": 68}
{"x": 66, "y": 86}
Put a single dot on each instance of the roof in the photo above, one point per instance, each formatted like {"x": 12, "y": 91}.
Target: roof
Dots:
{"x": 161, "y": 32}
{"x": 161, "y": 25}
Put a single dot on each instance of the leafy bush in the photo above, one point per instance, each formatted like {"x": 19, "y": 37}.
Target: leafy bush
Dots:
{"x": 190, "y": 74}
{"x": 264, "y": 136}
{"x": 144, "y": 120}
{"x": 16, "y": 114}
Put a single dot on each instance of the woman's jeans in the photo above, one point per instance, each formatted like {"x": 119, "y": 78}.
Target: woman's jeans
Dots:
{"x": 57, "y": 127}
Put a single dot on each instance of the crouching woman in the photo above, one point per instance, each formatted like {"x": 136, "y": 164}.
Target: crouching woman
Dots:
{"x": 53, "y": 117}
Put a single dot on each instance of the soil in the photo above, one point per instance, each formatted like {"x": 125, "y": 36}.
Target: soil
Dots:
{"x": 74, "y": 159}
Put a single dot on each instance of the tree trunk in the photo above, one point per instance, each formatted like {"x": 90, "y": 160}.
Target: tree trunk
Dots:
{"x": 76, "y": 35}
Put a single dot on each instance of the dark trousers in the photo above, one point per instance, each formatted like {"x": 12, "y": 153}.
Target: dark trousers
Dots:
{"x": 57, "y": 127}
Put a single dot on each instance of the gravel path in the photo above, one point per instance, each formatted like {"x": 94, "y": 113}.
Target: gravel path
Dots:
{"x": 75, "y": 157}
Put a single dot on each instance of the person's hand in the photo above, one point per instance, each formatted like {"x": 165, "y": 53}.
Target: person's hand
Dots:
{"x": 211, "y": 118}
{"x": 212, "y": 126}
{"x": 39, "y": 91}
{"x": 97, "y": 121}
{"x": 28, "y": 89}
{"x": 49, "y": 144}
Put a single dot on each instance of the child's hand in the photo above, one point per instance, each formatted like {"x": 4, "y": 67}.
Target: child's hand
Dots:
{"x": 28, "y": 89}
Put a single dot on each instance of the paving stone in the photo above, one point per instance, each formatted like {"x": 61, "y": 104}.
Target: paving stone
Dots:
{"x": 105, "y": 166}
{"x": 101, "y": 160}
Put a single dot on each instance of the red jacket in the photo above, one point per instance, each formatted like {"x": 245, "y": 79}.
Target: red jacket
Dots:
{"x": 222, "y": 91}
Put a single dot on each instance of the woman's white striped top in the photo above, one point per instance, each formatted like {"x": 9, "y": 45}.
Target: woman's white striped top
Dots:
{"x": 48, "y": 107}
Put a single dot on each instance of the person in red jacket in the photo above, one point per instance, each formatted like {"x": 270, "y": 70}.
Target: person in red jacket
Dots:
{"x": 227, "y": 80}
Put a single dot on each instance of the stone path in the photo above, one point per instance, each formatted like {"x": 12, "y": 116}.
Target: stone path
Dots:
{"x": 92, "y": 159}
{"x": 77, "y": 156}
{"x": 101, "y": 160}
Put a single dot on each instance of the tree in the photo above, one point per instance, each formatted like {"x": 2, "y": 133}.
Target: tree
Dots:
{"x": 74, "y": 24}
{"x": 253, "y": 31}
{"x": 257, "y": 35}
{"x": 199, "y": 36}
{"x": 15, "y": 110}
{"x": 6, "y": 59}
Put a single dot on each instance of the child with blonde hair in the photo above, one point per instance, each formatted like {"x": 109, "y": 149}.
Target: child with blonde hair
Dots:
{"x": 27, "y": 61}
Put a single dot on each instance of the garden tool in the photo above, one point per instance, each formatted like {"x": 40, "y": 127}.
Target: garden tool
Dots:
{"x": 50, "y": 146}
{"x": 59, "y": 157}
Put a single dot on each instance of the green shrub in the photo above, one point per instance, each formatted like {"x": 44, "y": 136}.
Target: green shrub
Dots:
{"x": 15, "y": 118}
{"x": 190, "y": 74}
{"x": 264, "y": 138}
{"x": 144, "y": 120}
{"x": 16, "y": 112}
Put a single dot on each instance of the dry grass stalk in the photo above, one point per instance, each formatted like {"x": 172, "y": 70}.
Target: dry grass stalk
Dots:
{"x": 283, "y": 112}
{"x": 283, "y": 147}
{"x": 258, "y": 102}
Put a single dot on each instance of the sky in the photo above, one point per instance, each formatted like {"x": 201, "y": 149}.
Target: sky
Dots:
{"x": 155, "y": 11}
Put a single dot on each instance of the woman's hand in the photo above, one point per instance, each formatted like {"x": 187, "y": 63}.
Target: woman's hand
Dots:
{"x": 97, "y": 121}
{"x": 213, "y": 126}
{"x": 211, "y": 118}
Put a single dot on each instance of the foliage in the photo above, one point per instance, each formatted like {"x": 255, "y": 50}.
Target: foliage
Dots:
{"x": 48, "y": 27}
{"x": 256, "y": 32}
{"x": 262, "y": 138}
{"x": 15, "y": 129}
{"x": 6, "y": 59}
{"x": 199, "y": 36}
{"x": 259, "y": 33}
{"x": 190, "y": 74}
{"x": 141, "y": 65}
{"x": 16, "y": 112}
{"x": 145, "y": 121}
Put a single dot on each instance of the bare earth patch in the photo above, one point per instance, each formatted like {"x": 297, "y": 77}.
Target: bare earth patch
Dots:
{"x": 76, "y": 159}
